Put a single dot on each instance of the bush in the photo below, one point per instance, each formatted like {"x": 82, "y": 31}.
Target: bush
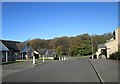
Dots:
{"x": 115, "y": 56}
{"x": 56, "y": 58}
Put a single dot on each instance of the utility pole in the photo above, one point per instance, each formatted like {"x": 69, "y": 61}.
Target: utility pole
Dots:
{"x": 92, "y": 46}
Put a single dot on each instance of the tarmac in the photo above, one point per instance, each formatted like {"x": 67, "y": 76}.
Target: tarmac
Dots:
{"x": 106, "y": 69}
{"x": 16, "y": 67}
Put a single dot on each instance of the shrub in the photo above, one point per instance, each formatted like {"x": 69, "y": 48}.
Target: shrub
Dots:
{"x": 115, "y": 56}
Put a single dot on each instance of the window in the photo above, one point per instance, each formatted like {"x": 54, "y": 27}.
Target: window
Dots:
{"x": 114, "y": 35}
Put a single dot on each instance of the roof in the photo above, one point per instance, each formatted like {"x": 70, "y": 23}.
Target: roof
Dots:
{"x": 11, "y": 45}
{"x": 101, "y": 46}
{"x": 41, "y": 51}
{"x": 50, "y": 52}
{"x": 46, "y": 52}
{"x": 3, "y": 47}
{"x": 21, "y": 45}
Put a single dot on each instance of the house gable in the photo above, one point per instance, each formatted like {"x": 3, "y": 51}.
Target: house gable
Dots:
{"x": 41, "y": 51}
{"x": 3, "y": 47}
{"x": 27, "y": 48}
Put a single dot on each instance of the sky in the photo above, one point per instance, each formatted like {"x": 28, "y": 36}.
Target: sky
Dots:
{"x": 46, "y": 20}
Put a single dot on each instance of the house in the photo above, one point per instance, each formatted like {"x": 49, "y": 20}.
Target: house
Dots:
{"x": 41, "y": 51}
{"x": 50, "y": 54}
{"x": 11, "y": 50}
{"x": 4, "y": 52}
{"x": 101, "y": 51}
{"x": 36, "y": 54}
{"x": 25, "y": 50}
{"x": 113, "y": 43}
{"x": 110, "y": 47}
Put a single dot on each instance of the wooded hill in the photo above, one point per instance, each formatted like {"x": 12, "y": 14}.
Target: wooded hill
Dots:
{"x": 78, "y": 45}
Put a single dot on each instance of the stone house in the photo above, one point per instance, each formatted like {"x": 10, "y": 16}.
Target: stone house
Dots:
{"x": 111, "y": 46}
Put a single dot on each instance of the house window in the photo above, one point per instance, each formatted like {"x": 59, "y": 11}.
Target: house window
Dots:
{"x": 114, "y": 35}
{"x": 2, "y": 56}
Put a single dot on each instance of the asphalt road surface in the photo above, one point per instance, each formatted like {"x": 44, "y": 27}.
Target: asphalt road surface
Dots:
{"x": 56, "y": 71}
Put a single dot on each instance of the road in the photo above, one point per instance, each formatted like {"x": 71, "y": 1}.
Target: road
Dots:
{"x": 56, "y": 71}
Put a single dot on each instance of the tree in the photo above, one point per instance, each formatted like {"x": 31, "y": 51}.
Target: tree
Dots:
{"x": 78, "y": 45}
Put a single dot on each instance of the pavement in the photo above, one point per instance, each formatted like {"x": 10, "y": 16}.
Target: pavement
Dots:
{"x": 56, "y": 71}
{"x": 107, "y": 69}
{"x": 16, "y": 67}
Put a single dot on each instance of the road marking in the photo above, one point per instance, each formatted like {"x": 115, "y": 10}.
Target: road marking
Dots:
{"x": 96, "y": 71}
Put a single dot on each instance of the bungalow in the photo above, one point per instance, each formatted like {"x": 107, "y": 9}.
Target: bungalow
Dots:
{"x": 50, "y": 54}
{"x": 25, "y": 50}
{"x": 9, "y": 50}
{"x": 41, "y": 51}
{"x": 13, "y": 50}
{"x": 4, "y": 52}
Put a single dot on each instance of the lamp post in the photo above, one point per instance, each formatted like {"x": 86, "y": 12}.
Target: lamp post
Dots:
{"x": 92, "y": 46}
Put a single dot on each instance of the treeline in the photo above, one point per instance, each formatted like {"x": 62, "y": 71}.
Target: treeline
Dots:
{"x": 78, "y": 45}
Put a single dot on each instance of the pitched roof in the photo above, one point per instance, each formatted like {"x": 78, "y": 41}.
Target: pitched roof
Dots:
{"x": 50, "y": 52}
{"x": 21, "y": 45}
{"x": 3, "y": 47}
{"x": 41, "y": 51}
{"x": 46, "y": 52}
{"x": 11, "y": 45}
{"x": 101, "y": 46}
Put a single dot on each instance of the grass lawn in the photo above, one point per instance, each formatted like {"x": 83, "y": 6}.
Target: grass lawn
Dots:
{"x": 44, "y": 59}
{"x": 79, "y": 57}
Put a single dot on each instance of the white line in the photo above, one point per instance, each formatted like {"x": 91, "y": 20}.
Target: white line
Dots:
{"x": 99, "y": 77}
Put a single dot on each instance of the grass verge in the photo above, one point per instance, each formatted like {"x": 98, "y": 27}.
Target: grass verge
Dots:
{"x": 10, "y": 62}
